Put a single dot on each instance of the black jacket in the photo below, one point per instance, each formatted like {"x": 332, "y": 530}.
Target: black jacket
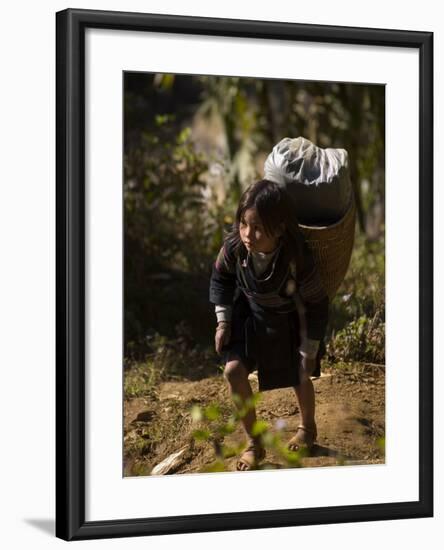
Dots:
{"x": 232, "y": 272}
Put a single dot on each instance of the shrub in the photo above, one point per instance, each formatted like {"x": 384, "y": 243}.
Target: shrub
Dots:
{"x": 362, "y": 340}
{"x": 356, "y": 329}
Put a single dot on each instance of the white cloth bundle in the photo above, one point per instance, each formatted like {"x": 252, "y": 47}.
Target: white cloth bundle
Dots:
{"x": 317, "y": 179}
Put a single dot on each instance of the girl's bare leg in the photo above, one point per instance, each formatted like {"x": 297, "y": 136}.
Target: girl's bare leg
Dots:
{"x": 306, "y": 398}
{"x": 237, "y": 377}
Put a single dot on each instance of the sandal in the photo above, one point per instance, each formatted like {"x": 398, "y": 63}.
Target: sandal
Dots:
{"x": 251, "y": 457}
{"x": 303, "y": 439}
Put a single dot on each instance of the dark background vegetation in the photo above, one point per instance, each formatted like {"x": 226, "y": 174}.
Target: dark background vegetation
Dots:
{"x": 192, "y": 144}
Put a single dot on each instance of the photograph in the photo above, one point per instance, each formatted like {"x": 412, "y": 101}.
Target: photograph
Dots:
{"x": 253, "y": 274}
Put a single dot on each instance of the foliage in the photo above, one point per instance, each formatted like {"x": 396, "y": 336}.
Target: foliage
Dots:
{"x": 165, "y": 359}
{"x": 166, "y": 227}
{"x": 164, "y": 203}
{"x": 213, "y": 425}
{"x": 141, "y": 379}
{"x": 232, "y": 102}
{"x": 356, "y": 330}
{"x": 361, "y": 340}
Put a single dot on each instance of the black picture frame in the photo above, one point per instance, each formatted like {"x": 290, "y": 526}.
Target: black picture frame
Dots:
{"x": 70, "y": 274}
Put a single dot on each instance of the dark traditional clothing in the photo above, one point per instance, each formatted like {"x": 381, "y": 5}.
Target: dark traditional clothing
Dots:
{"x": 266, "y": 321}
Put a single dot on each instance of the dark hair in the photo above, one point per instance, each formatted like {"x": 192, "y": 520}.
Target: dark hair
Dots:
{"x": 274, "y": 207}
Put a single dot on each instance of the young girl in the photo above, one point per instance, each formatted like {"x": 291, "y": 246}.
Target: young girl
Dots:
{"x": 271, "y": 309}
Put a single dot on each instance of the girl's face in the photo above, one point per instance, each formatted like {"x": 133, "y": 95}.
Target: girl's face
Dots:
{"x": 252, "y": 233}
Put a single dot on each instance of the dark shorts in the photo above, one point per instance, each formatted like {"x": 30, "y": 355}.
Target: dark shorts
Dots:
{"x": 267, "y": 342}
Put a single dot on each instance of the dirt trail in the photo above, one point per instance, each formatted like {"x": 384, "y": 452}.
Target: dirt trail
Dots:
{"x": 350, "y": 413}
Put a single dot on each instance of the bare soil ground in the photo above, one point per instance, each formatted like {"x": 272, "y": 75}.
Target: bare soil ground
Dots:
{"x": 350, "y": 416}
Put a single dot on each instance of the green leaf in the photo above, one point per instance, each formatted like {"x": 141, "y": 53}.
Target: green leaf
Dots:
{"x": 252, "y": 401}
{"x": 228, "y": 452}
{"x": 226, "y": 429}
{"x": 217, "y": 466}
{"x": 259, "y": 428}
{"x": 201, "y": 435}
{"x": 212, "y": 412}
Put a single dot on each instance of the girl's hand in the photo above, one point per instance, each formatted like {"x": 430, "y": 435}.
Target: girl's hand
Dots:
{"x": 223, "y": 334}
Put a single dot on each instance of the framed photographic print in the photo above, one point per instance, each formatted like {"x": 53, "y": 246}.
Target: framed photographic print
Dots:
{"x": 244, "y": 274}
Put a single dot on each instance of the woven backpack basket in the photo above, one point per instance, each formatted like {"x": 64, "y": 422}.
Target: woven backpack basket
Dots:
{"x": 332, "y": 246}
